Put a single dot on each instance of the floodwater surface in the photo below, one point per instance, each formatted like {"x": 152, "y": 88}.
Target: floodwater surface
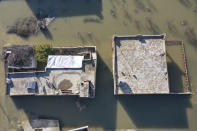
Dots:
{"x": 94, "y": 22}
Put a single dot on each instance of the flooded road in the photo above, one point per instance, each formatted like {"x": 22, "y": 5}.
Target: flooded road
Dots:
{"x": 94, "y": 22}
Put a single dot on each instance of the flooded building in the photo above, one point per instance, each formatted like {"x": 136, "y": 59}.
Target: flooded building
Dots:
{"x": 41, "y": 125}
{"x": 68, "y": 71}
{"x": 140, "y": 65}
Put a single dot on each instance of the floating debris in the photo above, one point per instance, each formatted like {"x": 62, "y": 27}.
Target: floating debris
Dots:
{"x": 45, "y": 22}
{"x": 113, "y": 13}
{"x": 184, "y": 23}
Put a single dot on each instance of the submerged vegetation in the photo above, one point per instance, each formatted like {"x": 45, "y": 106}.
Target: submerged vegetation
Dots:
{"x": 24, "y": 27}
{"x": 30, "y": 25}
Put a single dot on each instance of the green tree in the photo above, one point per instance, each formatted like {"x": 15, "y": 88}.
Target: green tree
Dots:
{"x": 42, "y": 52}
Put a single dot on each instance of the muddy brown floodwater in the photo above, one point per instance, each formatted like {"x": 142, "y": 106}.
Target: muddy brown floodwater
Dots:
{"x": 94, "y": 22}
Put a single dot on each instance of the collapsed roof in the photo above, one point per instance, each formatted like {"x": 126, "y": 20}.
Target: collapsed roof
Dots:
{"x": 19, "y": 56}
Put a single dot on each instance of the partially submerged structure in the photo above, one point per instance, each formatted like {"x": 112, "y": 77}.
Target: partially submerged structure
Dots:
{"x": 140, "y": 65}
{"x": 41, "y": 125}
{"x": 69, "y": 71}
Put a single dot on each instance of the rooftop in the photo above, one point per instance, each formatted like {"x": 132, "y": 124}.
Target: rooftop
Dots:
{"x": 59, "y": 81}
{"x": 140, "y": 65}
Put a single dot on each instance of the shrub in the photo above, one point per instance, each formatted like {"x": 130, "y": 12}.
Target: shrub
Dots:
{"x": 42, "y": 52}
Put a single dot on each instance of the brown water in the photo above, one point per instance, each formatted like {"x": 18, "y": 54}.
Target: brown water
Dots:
{"x": 104, "y": 18}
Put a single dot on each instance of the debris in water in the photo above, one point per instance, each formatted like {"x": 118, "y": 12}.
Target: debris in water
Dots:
{"x": 29, "y": 26}
{"x": 184, "y": 23}
{"x": 45, "y": 22}
{"x": 113, "y": 13}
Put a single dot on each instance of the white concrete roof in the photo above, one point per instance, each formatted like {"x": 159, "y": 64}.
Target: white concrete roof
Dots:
{"x": 140, "y": 65}
{"x": 64, "y": 61}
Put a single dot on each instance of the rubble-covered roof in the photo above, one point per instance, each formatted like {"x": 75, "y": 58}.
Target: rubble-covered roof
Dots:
{"x": 140, "y": 65}
{"x": 19, "y": 56}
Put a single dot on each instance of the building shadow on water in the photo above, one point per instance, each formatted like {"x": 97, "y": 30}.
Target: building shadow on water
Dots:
{"x": 176, "y": 76}
{"x": 73, "y": 111}
{"x": 64, "y": 8}
{"x": 176, "y": 72}
{"x": 157, "y": 111}
{"x": 47, "y": 33}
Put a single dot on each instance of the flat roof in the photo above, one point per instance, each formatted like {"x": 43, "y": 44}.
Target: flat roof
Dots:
{"x": 58, "y": 81}
{"x": 139, "y": 65}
